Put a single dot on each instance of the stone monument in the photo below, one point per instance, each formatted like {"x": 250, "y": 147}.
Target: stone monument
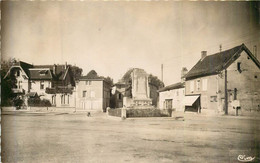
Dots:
{"x": 140, "y": 89}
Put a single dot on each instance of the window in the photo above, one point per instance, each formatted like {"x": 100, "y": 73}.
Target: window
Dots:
{"x": 53, "y": 99}
{"x": 119, "y": 96}
{"x": 61, "y": 99}
{"x": 20, "y": 85}
{"x": 213, "y": 99}
{"x": 18, "y": 73}
{"x": 68, "y": 99}
{"x": 198, "y": 85}
{"x": 239, "y": 67}
{"x": 84, "y": 93}
{"x": 43, "y": 72}
{"x": 41, "y": 84}
{"x": 88, "y": 82}
{"x": 204, "y": 84}
{"x": 191, "y": 86}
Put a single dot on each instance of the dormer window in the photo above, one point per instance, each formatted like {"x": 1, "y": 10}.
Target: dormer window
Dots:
{"x": 41, "y": 84}
{"x": 43, "y": 72}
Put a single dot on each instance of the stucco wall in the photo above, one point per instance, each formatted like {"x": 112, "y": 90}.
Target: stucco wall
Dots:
{"x": 69, "y": 100}
{"x": 93, "y": 103}
{"x": 177, "y": 96}
{"x": 36, "y": 86}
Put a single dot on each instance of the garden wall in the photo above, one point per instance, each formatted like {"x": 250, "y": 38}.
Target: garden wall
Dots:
{"x": 130, "y": 113}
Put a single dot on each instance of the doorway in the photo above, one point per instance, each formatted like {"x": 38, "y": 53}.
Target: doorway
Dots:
{"x": 168, "y": 104}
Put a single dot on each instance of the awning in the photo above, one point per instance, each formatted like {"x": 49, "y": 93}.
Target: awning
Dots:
{"x": 189, "y": 100}
{"x": 31, "y": 94}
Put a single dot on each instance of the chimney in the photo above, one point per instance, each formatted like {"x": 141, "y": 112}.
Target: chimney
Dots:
{"x": 54, "y": 69}
{"x": 184, "y": 71}
{"x": 203, "y": 54}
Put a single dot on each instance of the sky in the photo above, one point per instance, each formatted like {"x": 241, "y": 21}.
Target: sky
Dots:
{"x": 111, "y": 37}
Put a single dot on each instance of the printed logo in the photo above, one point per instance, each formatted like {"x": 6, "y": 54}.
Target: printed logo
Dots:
{"x": 244, "y": 158}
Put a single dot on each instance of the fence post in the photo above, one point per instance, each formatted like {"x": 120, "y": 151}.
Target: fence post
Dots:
{"x": 123, "y": 113}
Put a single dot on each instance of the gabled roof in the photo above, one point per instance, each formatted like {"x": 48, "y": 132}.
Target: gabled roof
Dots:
{"x": 40, "y": 74}
{"x": 56, "y": 72}
{"x": 217, "y": 62}
{"x": 25, "y": 66}
{"x": 92, "y": 75}
{"x": 172, "y": 86}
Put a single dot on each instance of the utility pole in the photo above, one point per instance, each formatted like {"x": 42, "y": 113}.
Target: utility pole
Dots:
{"x": 225, "y": 80}
{"x": 162, "y": 72}
{"x": 226, "y": 93}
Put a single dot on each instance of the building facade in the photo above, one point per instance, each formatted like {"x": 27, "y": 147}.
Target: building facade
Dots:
{"x": 92, "y": 93}
{"x": 205, "y": 82}
{"x": 171, "y": 97}
{"x": 47, "y": 81}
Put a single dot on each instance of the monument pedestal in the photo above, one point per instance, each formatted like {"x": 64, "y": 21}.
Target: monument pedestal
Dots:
{"x": 142, "y": 102}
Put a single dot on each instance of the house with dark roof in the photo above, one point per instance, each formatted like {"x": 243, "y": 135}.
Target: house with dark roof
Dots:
{"x": 205, "y": 82}
{"x": 46, "y": 80}
{"x": 92, "y": 92}
{"x": 171, "y": 96}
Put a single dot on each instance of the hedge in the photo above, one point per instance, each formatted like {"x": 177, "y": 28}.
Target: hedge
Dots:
{"x": 38, "y": 102}
{"x": 148, "y": 113}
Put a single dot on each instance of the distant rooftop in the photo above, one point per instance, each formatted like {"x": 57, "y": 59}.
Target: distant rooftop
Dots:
{"x": 172, "y": 86}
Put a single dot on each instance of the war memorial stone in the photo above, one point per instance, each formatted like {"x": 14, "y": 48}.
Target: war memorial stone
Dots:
{"x": 140, "y": 89}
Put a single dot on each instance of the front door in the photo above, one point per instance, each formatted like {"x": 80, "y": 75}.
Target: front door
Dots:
{"x": 168, "y": 104}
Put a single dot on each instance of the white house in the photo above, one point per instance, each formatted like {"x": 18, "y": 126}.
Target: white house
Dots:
{"x": 92, "y": 92}
{"x": 171, "y": 97}
{"x": 51, "y": 82}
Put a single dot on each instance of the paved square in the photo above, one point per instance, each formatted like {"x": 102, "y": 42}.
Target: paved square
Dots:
{"x": 57, "y": 137}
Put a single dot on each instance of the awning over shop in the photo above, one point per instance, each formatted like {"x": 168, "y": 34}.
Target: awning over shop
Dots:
{"x": 32, "y": 94}
{"x": 189, "y": 100}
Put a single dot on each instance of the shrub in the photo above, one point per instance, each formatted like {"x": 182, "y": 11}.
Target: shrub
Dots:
{"x": 18, "y": 103}
{"x": 38, "y": 102}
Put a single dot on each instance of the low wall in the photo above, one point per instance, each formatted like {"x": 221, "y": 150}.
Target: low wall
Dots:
{"x": 8, "y": 108}
{"x": 148, "y": 113}
{"x": 50, "y": 109}
{"x": 115, "y": 112}
{"x": 130, "y": 113}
